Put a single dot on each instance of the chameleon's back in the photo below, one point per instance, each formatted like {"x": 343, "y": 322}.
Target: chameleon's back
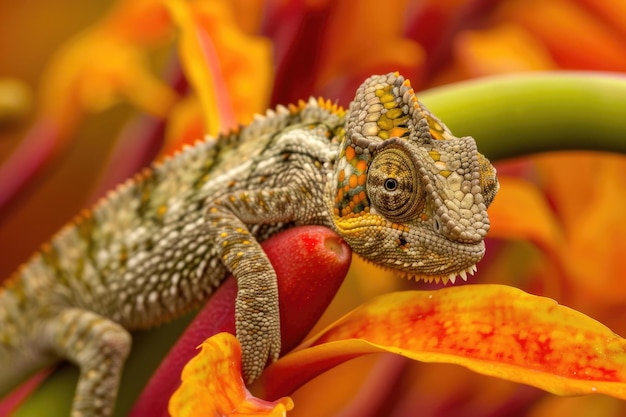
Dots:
{"x": 141, "y": 255}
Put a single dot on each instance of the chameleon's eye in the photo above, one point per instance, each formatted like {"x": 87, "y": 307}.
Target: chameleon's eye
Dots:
{"x": 393, "y": 186}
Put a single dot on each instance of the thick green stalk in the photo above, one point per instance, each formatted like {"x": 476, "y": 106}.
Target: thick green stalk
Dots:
{"x": 527, "y": 113}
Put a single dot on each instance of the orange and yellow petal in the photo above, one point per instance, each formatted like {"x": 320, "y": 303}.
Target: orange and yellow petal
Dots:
{"x": 500, "y": 49}
{"x": 587, "y": 192}
{"x": 212, "y": 385}
{"x": 521, "y": 212}
{"x": 76, "y": 82}
{"x": 569, "y": 32}
{"x": 229, "y": 70}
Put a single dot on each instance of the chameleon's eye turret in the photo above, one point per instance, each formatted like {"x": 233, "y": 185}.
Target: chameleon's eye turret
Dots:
{"x": 393, "y": 186}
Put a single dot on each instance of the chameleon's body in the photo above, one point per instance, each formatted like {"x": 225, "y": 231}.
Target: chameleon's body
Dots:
{"x": 387, "y": 176}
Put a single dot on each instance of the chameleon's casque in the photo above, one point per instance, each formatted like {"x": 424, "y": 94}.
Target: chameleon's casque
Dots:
{"x": 387, "y": 175}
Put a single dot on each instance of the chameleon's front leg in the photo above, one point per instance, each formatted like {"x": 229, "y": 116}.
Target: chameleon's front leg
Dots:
{"x": 99, "y": 347}
{"x": 257, "y": 316}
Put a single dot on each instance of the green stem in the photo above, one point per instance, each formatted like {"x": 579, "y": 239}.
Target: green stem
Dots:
{"x": 527, "y": 113}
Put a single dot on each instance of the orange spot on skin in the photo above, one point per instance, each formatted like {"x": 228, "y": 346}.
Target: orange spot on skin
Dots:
{"x": 400, "y": 227}
{"x": 361, "y": 166}
{"x": 436, "y": 134}
{"x": 362, "y": 178}
{"x": 353, "y": 181}
{"x": 342, "y": 175}
{"x": 397, "y": 132}
{"x": 350, "y": 153}
{"x": 339, "y": 196}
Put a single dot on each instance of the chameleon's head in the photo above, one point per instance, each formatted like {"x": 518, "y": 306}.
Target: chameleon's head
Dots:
{"x": 409, "y": 195}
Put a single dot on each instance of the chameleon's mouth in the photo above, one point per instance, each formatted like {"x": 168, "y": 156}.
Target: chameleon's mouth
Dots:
{"x": 451, "y": 277}
{"x": 430, "y": 276}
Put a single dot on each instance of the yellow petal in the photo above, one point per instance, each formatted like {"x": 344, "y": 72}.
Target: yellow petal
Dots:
{"x": 212, "y": 385}
{"x": 200, "y": 63}
{"x": 230, "y": 71}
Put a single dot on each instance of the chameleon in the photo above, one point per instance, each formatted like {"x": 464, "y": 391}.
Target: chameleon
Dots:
{"x": 386, "y": 174}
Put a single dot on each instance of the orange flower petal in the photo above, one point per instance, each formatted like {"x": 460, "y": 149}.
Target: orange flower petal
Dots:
{"x": 569, "y": 33}
{"x": 588, "y": 193}
{"x": 492, "y": 329}
{"x": 245, "y": 60}
{"x": 521, "y": 212}
{"x": 229, "y": 70}
{"x": 212, "y": 385}
{"x": 141, "y": 22}
{"x": 76, "y": 82}
{"x": 611, "y": 11}
{"x": 501, "y": 49}
{"x": 185, "y": 125}
{"x": 375, "y": 43}
{"x": 201, "y": 64}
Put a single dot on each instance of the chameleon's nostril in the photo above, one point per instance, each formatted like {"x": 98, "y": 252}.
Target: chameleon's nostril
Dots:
{"x": 436, "y": 225}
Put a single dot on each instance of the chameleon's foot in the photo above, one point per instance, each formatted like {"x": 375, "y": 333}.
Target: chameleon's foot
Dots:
{"x": 257, "y": 318}
{"x": 99, "y": 347}
{"x": 258, "y": 331}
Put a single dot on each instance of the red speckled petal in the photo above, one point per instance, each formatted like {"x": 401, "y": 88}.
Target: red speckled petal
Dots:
{"x": 492, "y": 329}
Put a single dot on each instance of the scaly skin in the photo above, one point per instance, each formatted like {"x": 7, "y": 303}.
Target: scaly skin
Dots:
{"x": 387, "y": 176}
